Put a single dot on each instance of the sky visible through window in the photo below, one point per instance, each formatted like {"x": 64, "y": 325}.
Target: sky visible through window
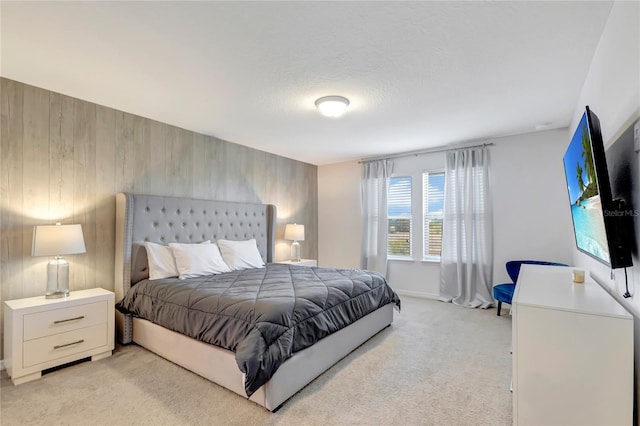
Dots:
{"x": 398, "y": 206}
{"x": 436, "y": 186}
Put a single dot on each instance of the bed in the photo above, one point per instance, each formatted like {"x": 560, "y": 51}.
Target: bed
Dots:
{"x": 165, "y": 220}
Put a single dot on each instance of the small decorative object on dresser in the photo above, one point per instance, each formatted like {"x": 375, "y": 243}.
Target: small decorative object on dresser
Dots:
{"x": 56, "y": 240}
{"x": 41, "y": 333}
{"x": 301, "y": 262}
{"x": 295, "y": 233}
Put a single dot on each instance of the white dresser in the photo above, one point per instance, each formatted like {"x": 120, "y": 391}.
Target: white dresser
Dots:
{"x": 572, "y": 352}
{"x": 42, "y": 333}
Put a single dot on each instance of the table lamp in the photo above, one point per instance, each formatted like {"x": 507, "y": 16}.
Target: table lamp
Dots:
{"x": 294, "y": 232}
{"x": 56, "y": 240}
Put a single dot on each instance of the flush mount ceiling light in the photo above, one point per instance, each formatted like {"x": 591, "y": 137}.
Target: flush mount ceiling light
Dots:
{"x": 332, "y": 106}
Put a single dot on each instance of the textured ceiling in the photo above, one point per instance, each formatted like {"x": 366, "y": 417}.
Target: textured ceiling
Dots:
{"x": 418, "y": 74}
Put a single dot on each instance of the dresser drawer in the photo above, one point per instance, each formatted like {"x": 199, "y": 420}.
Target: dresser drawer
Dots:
{"x": 41, "y": 324}
{"x": 61, "y": 345}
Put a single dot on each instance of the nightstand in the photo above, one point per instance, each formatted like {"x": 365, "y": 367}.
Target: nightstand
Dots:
{"x": 303, "y": 262}
{"x": 43, "y": 333}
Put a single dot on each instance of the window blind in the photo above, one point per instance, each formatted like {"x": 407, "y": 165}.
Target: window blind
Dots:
{"x": 399, "y": 216}
{"x": 432, "y": 213}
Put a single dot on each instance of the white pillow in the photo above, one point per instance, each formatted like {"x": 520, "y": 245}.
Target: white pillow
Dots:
{"x": 241, "y": 254}
{"x": 162, "y": 263}
{"x": 196, "y": 260}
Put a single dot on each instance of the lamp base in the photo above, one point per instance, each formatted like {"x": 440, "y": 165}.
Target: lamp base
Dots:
{"x": 57, "y": 278}
{"x": 295, "y": 251}
{"x": 56, "y": 294}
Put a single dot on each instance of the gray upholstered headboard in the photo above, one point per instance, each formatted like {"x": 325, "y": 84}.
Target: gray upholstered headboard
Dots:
{"x": 165, "y": 220}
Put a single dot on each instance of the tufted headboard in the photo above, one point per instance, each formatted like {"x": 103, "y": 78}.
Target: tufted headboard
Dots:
{"x": 165, "y": 220}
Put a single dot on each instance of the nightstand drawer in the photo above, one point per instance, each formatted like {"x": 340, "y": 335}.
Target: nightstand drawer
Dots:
{"x": 61, "y": 345}
{"x": 56, "y": 321}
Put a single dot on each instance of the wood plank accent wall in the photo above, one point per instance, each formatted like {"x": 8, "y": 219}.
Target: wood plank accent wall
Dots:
{"x": 64, "y": 159}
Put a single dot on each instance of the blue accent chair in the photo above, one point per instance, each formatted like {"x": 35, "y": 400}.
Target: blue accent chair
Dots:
{"x": 504, "y": 292}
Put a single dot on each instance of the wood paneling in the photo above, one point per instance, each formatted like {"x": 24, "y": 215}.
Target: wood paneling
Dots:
{"x": 105, "y": 188}
{"x": 64, "y": 159}
{"x": 11, "y": 193}
{"x": 35, "y": 181}
{"x": 84, "y": 190}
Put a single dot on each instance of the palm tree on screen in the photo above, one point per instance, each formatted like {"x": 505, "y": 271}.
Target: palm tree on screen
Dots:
{"x": 587, "y": 155}
{"x": 579, "y": 177}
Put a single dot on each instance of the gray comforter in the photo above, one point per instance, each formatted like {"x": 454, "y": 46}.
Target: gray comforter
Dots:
{"x": 263, "y": 315}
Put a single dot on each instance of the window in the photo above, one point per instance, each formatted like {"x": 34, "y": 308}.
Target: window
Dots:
{"x": 399, "y": 216}
{"x": 432, "y": 213}
{"x": 403, "y": 212}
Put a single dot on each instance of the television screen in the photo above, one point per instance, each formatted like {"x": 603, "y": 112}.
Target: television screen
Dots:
{"x": 599, "y": 228}
{"x": 586, "y": 204}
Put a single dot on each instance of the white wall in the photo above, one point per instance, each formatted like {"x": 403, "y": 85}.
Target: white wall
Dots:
{"x": 612, "y": 91}
{"x": 531, "y": 215}
{"x": 531, "y": 212}
{"x": 339, "y": 217}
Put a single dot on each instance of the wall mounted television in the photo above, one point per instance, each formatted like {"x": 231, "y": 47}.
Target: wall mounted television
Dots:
{"x": 598, "y": 219}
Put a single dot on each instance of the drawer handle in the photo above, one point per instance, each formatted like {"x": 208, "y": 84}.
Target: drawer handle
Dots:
{"x": 68, "y": 344}
{"x": 67, "y": 320}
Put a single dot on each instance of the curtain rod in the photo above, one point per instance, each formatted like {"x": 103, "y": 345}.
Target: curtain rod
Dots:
{"x": 423, "y": 151}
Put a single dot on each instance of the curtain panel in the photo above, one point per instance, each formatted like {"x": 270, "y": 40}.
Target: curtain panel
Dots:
{"x": 466, "y": 264}
{"x": 374, "y": 184}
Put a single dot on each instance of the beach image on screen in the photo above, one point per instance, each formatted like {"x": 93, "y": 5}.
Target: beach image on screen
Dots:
{"x": 586, "y": 208}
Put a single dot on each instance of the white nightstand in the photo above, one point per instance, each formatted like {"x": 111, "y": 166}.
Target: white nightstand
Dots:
{"x": 42, "y": 333}
{"x": 303, "y": 262}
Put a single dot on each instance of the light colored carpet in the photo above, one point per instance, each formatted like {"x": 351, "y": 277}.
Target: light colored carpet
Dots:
{"x": 438, "y": 364}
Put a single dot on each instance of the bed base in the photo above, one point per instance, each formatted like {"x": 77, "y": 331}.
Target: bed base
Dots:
{"x": 219, "y": 365}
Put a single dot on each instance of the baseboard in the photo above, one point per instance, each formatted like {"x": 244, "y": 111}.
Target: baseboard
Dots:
{"x": 417, "y": 294}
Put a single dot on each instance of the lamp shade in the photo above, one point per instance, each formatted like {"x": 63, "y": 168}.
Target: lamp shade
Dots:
{"x": 294, "y": 232}
{"x": 56, "y": 240}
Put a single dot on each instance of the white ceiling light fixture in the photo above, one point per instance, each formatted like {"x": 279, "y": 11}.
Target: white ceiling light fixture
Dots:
{"x": 332, "y": 106}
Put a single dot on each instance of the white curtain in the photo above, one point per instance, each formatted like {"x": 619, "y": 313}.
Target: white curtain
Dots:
{"x": 375, "y": 180}
{"x": 466, "y": 263}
